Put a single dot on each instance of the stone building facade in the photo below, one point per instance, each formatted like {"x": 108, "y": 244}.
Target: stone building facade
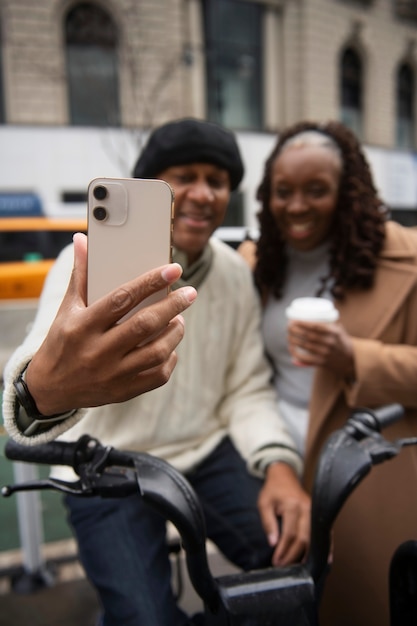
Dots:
{"x": 163, "y": 62}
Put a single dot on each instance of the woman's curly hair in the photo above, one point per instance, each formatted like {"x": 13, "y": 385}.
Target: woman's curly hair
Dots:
{"x": 358, "y": 229}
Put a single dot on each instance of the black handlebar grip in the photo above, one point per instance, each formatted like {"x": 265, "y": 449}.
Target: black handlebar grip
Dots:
{"x": 388, "y": 414}
{"x": 53, "y": 453}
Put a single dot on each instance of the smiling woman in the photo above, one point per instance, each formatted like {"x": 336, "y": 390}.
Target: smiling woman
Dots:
{"x": 324, "y": 232}
{"x": 28, "y": 248}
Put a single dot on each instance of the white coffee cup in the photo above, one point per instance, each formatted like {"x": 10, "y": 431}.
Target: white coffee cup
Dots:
{"x": 312, "y": 310}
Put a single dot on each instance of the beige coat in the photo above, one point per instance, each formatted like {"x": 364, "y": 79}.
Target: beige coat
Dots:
{"x": 382, "y": 512}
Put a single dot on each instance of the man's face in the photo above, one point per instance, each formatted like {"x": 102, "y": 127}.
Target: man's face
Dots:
{"x": 202, "y": 193}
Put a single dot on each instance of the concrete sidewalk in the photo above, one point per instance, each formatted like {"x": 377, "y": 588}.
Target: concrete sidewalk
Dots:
{"x": 70, "y": 601}
{"x": 66, "y": 604}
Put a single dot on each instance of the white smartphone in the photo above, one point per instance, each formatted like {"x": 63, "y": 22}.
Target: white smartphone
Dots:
{"x": 129, "y": 233}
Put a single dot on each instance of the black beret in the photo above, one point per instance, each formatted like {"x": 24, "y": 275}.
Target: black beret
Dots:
{"x": 190, "y": 141}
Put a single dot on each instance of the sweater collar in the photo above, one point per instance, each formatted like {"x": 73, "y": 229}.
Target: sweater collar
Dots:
{"x": 195, "y": 273}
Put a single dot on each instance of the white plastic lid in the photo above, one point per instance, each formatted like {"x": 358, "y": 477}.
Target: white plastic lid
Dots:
{"x": 312, "y": 310}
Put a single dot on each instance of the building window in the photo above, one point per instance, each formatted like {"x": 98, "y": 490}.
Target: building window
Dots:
{"x": 405, "y": 107}
{"x": 361, "y": 3}
{"x": 92, "y": 68}
{"x": 351, "y": 89}
{"x": 233, "y": 35}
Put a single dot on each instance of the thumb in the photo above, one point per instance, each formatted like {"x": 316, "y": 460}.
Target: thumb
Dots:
{"x": 78, "y": 283}
{"x": 270, "y": 525}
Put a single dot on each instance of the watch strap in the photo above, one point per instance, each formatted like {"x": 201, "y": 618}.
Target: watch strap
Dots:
{"x": 28, "y": 418}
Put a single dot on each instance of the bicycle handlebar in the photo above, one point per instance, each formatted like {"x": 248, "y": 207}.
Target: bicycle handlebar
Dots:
{"x": 70, "y": 453}
{"x": 67, "y": 453}
{"x": 374, "y": 419}
{"x": 53, "y": 453}
{"x": 387, "y": 414}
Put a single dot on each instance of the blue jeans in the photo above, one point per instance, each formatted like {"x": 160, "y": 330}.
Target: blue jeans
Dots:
{"x": 122, "y": 542}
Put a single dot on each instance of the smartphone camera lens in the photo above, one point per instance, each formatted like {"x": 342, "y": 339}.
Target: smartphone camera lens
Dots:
{"x": 100, "y": 192}
{"x": 100, "y": 213}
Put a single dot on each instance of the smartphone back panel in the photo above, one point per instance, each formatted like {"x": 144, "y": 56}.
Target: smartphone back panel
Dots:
{"x": 129, "y": 232}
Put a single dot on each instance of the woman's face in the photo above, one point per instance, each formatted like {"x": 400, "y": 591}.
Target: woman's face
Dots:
{"x": 304, "y": 193}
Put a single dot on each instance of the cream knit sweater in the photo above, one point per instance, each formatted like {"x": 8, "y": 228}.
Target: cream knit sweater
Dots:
{"x": 220, "y": 386}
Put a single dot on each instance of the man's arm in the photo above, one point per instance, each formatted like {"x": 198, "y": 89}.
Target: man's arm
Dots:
{"x": 88, "y": 359}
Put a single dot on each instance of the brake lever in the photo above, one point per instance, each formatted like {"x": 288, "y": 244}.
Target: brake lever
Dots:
{"x": 363, "y": 428}
{"x": 115, "y": 483}
{"x": 380, "y": 449}
{"x": 95, "y": 477}
{"x": 44, "y": 484}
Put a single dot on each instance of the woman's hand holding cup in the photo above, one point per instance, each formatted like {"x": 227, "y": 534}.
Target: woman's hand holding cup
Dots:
{"x": 316, "y": 337}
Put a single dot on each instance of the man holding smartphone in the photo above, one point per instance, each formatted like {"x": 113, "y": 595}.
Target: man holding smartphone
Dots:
{"x": 216, "y": 419}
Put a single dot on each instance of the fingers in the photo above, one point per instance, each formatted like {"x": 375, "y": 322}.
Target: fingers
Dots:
{"x": 311, "y": 343}
{"x": 289, "y": 531}
{"x": 269, "y": 521}
{"x": 150, "y": 379}
{"x": 322, "y": 344}
{"x": 126, "y": 297}
{"x": 143, "y": 347}
{"x": 150, "y": 321}
{"x": 153, "y": 318}
{"x": 156, "y": 358}
{"x": 307, "y": 334}
{"x": 140, "y": 377}
{"x": 285, "y": 509}
{"x": 294, "y": 538}
{"x": 113, "y": 307}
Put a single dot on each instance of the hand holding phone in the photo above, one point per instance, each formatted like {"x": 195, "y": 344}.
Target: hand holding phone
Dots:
{"x": 88, "y": 359}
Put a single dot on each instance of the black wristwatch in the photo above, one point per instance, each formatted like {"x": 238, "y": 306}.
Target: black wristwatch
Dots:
{"x": 28, "y": 418}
